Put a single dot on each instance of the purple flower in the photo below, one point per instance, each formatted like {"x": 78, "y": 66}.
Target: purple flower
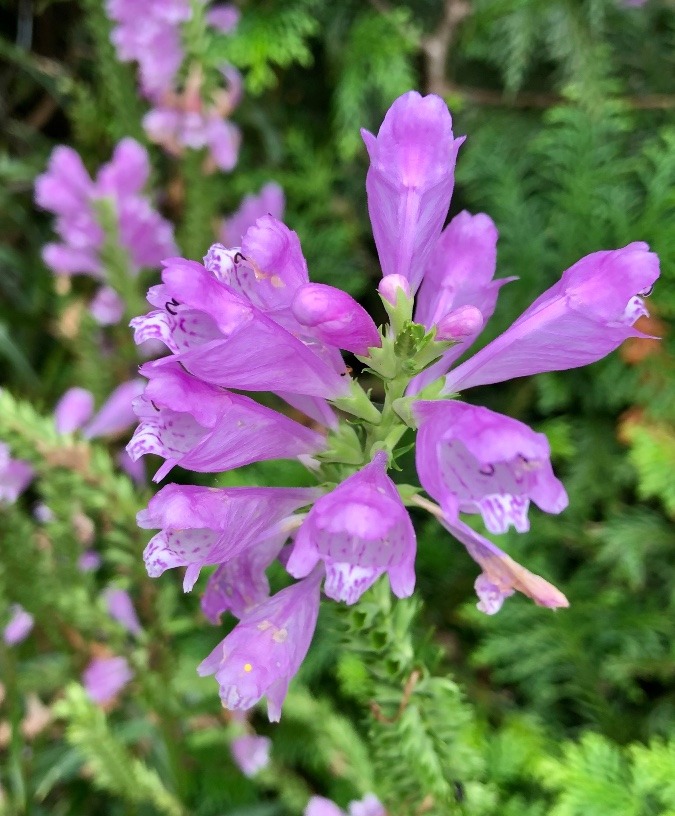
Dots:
{"x": 320, "y": 806}
{"x": 410, "y": 182}
{"x": 89, "y": 561}
{"x": 15, "y": 476}
{"x": 148, "y": 32}
{"x": 67, "y": 191}
{"x": 19, "y": 627}
{"x": 251, "y": 753}
{"x": 105, "y": 677}
{"x": 241, "y": 583}
{"x": 360, "y": 530}
{"x": 458, "y": 288}
{"x": 222, "y": 338}
{"x": 269, "y": 201}
{"x": 107, "y": 307}
{"x": 183, "y": 120}
{"x": 117, "y": 413}
{"x": 263, "y": 652}
{"x": 73, "y": 410}
{"x": 121, "y": 608}
{"x": 580, "y": 319}
{"x": 501, "y": 575}
{"x": 335, "y": 318}
{"x": 224, "y": 17}
{"x": 370, "y": 805}
{"x": 474, "y": 460}
{"x": 204, "y": 525}
{"x": 135, "y": 470}
{"x": 267, "y": 270}
{"x": 203, "y": 428}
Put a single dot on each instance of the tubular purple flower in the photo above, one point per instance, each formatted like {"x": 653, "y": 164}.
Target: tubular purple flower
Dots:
{"x": 117, "y": 413}
{"x": 267, "y": 270}
{"x": 121, "y": 609}
{"x": 73, "y": 410}
{"x": 335, "y": 318}
{"x": 19, "y": 627}
{"x": 105, "y": 677}
{"x": 203, "y": 525}
{"x": 582, "y": 318}
{"x": 127, "y": 172}
{"x": 203, "y": 428}
{"x": 223, "y": 339}
{"x": 360, "y": 530}
{"x": 458, "y": 276}
{"x": 15, "y": 476}
{"x": 251, "y": 753}
{"x": 269, "y": 201}
{"x": 241, "y": 583}
{"x": 264, "y": 651}
{"x": 410, "y": 182}
{"x": 148, "y": 32}
{"x": 474, "y": 460}
{"x": 502, "y": 575}
{"x": 66, "y": 190}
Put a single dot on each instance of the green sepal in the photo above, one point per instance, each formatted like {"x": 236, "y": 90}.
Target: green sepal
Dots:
{"x": 358, "y": 404}
{"x": 401, "y": 313}
{"x": 344, "y": 446}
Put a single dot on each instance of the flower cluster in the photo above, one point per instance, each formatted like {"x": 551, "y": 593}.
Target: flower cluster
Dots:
{"x": 249, "y": 319}
{"x": 85, "y": 210}
{"x": 149, "y": 33}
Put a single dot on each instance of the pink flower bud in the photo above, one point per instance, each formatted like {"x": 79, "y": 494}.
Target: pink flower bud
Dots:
{"x": 390, "y": 285}
{"x": 335, "y": 317}
{"x": 460, "y": 323}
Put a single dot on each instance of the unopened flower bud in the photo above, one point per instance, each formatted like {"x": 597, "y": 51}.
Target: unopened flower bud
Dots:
{"x": 390, "y": 285}
{"x": 460, "y": 323}
{"x": 335, "y": 317}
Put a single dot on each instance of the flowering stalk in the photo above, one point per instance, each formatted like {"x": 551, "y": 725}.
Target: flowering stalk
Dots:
{"x": 249, "y": 319}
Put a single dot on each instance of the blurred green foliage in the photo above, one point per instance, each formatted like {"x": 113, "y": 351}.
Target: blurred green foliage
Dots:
{"x": 568, "y": 107}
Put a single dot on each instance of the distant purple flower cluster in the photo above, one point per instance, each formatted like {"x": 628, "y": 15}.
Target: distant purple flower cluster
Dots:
{"x": 67, "y": 191}
{"x": 149, "y": 32}
{"x": 249, "y": 319}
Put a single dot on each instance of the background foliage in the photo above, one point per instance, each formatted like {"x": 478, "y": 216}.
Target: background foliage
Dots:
{"x": 568, "y": 106}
